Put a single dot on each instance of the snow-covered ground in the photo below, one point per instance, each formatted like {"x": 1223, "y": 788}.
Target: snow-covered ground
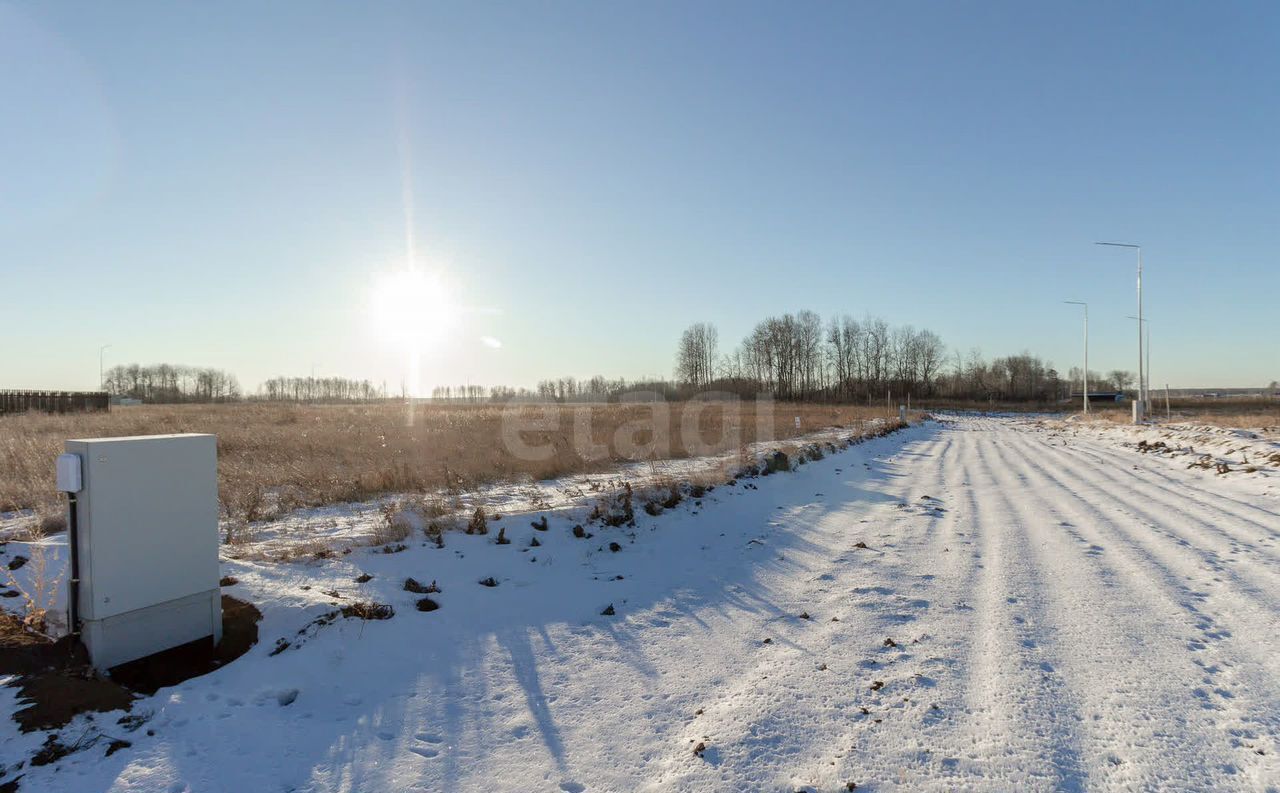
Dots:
{"x": 1222, "y": 450}
{"x": 1038, "y": 606}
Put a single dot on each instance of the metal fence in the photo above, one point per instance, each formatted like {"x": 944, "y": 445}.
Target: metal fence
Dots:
{"x": 17, "y": 401}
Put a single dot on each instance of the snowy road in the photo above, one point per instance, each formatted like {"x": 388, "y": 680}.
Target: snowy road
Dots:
{"x": 1033, "y": 611}
{"x": 1080, "y": 621}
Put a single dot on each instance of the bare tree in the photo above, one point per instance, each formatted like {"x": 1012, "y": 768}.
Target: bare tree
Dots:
{"x": 167, "y": 383}
{"x": 1121, "y": 378}
{"x": 930, "y": 354}
{"x": 696, "y": 355}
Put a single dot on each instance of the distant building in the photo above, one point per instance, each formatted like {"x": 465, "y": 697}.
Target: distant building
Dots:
{"x": 20, "y": 401}
{"x": 1100, "y": 397}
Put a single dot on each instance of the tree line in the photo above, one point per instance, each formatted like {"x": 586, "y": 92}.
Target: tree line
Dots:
{"x": 801, "y": 357}
{"x": 563, "y": 389}
{"x": 166, "y": 383}
{"x": 790, "y": 357}
{"x": 320, "y": 389}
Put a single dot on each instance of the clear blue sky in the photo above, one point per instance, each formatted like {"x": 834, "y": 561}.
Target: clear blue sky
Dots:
{"x": 219, "y": 184}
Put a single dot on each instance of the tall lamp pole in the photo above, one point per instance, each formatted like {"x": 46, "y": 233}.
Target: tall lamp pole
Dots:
{"x": 101, "y": 379}
{"x": 1142, "y": 393}
{"x": 1147, "y": 323}
{"x": 1086, "y": 350}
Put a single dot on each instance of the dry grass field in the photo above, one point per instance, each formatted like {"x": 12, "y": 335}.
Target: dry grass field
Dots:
{"x": 1244, "y": 413}
{"x": 1238, "y": 413}
{"x": 276, "y": 458}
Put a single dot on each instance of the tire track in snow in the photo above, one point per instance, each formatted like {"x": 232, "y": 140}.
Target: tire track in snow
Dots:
{"x": 1024, "y": 729}
{"x": 777, "y": 719}
{"x": 1174, "y": 560}
{"x": 1191, "y": 497}
{"x": 1177, "y": 542}
{"x": 1261, "y": 518}
{"x": 1099, "y": 441}
{"x": 1096, "y": 619}
{"x": 1091, "y": 676}
{"x": 812, "y": 731}
{"x": 944, "y": 752}
{"x": 922, "y": 488}
{"x": 904, "y": 739}
{"x": 1226, "y": 665}
{"x": 880, "y": 596}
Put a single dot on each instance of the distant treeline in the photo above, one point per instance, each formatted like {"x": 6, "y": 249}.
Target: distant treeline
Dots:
{"x": 320, "y": 389}
{"x": 174, "y": 383}
{"x": 166, "y": 383}
{"x": 21, "y": 401}
{"x": 803, "y": 358}
{"x": 800, "y": 357}
{"x": 564, "y": 389}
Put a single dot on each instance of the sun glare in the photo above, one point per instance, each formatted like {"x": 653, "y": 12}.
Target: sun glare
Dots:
{"x": 412, "y": 309}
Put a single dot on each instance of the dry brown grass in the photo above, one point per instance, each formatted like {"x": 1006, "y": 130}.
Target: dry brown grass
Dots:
{"x": 275, "y": 458}
{"x": 42, "y": 582}
{"x": 1267, "y": 421}
{"x": 1237, "y": 414}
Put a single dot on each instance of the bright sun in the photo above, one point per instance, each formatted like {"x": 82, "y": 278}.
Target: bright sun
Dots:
{"x": 412, "y": 310}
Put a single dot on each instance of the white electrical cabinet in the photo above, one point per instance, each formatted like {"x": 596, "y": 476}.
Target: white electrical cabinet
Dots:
{"x": 147, "y": 544}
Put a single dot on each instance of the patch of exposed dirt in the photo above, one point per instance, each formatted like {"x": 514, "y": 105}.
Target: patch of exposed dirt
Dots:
{"x": 427, "y": 604}
{"x": 23, "y": 652}
{"x": 56, "y": 697}
{"x": 239, "y": 633}
{"x": 56, "y": 682}
{"x": 368, "y": 611}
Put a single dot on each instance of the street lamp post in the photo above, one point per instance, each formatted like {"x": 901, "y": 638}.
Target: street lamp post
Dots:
{"x": 101, "y": 380}
{"x": 1086, "y": 350}
{"x": 1147, "y": 324}
{"x": 1142, "y": 393}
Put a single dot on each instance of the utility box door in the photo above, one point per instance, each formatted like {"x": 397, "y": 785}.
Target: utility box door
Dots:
{"x": 148, "y": 516}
